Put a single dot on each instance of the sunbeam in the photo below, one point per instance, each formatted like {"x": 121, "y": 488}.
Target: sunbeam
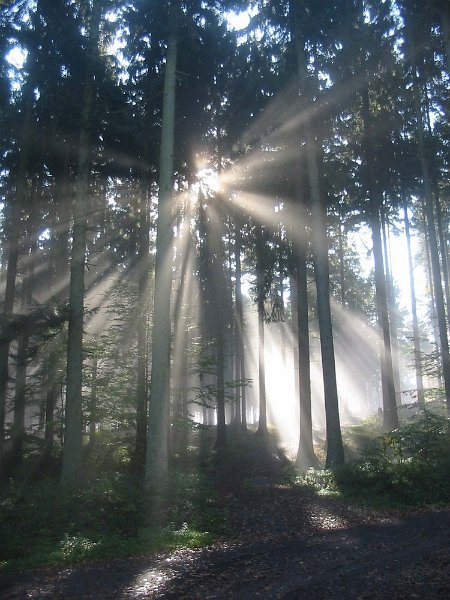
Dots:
{"x": 224, "y": 296}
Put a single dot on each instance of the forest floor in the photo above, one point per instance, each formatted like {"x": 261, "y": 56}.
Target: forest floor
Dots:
{"x": 281, "y": 541}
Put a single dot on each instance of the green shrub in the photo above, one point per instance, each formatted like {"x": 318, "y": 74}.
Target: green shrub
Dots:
{"x": 321, "y": 480}
{"x": 409, "y": 466}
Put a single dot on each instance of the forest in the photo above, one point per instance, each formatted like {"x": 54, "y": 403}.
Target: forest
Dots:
{"x": 224, "y": 261}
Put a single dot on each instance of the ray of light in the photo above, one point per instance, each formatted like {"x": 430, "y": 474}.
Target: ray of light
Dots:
{"x": 285, "y": 114}
{"x": 260, "y": 206}
{"x": 98, "y": 300}
{"x": 356, "y": 360}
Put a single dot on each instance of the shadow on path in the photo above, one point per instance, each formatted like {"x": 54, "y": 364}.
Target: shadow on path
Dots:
{"x": 284, "y": 543}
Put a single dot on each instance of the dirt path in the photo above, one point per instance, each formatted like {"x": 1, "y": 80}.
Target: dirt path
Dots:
{"x": 283, "y": 543}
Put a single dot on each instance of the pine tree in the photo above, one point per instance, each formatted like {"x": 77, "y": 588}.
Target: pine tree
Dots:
{"x": 71, "y": 465}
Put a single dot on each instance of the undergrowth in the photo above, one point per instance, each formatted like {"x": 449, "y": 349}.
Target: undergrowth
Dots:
{"x": 408, "y": 467}
{"x": 109, "y": 516}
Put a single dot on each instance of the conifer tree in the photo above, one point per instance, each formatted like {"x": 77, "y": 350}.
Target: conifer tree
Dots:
{"x": 71, "y": 464}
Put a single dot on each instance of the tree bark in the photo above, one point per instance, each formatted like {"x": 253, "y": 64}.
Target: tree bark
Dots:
{"x": 260, "y": 292}
{"x": 305, "y": 454}
{"x": 392, "y": 312}
{"x": 217, "y": 279}
{"x": 416, "y": 336}
{"x": 429, "y": 277}
{"x": 341, "y": 234}
{"x": 442, "y": 233}
{"x": 18, "y": 430}
{"x": 390, "y": 416}
{"x": 335, "y": 449}
{"x": 8, "y": 309}
{"x": 71, "y": 460}
{"x": 430, "y": 220}
{"x": 442, "y": 238}
{"x": 93, "y": 400}
{"x": 142, "y": 334}
{"x": 240, "y": 325}
{"x": 49, "y": 435}
{"x": 14, "y": 246}
{"x": 219, "y": 293}
{"x": 156, "y": 458}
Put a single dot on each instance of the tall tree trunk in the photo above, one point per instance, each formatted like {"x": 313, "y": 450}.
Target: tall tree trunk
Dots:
{"x": 240, "y": 325}
{"x": 71, "y": 460}
{"x": 392, "y": 311}
{"x": 231, "y": 335}
{"x": 281, "y": 322}
{"x": 260, "y": 276}
{"x": 18, "y": 431}
{"x": 92, "y": 403}
{"x": 156, "y": 458}
{"x": 13, "y": 245}
{"x": 294, "y": 327}
{"x": 305, "y": 455}
{"x": 341, "y": 234}
{"x": 390, "y": 416}
{"x": 432, "y": 303}
{"x": 442, "y": 232}
{"x": 221, "y": 439}
{"x": 8, "y": 309}
{"x": 58, "y": 266}
{"x": 217, "y": 279}
{"x": 430, "y": 219}
{"x": 442, "y": 246}
{"x": 60, "y": 230}
{"x": 416, "y": 337}
{"x": 335, "y": 449}
{"x": 220, "y": 292}
{"x": 49, "y": 435}
{"x": 181, "y": 317}
{"x": 207, "y": 309}
{"x": 180, "y": 375}
{"x": 142, "y": 333}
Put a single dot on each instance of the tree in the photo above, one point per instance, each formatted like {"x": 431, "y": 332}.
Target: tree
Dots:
{"x": 71, "y": 464}
{"x": 239, "y": 323}
{"x": 156, "y": 465}
{"x": 411, "y": 23}
{"x": 15, "y": 207}
{"x": 261, "y": 291}
{"x": 142, "y": 330}
{"x": 390, "y": 417}
{"x": 416, "y": 339}
{"x": 335, "y": 451}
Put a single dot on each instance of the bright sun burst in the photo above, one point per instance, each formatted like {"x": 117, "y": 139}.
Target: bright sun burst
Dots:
{"x": 208, "y": 179}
